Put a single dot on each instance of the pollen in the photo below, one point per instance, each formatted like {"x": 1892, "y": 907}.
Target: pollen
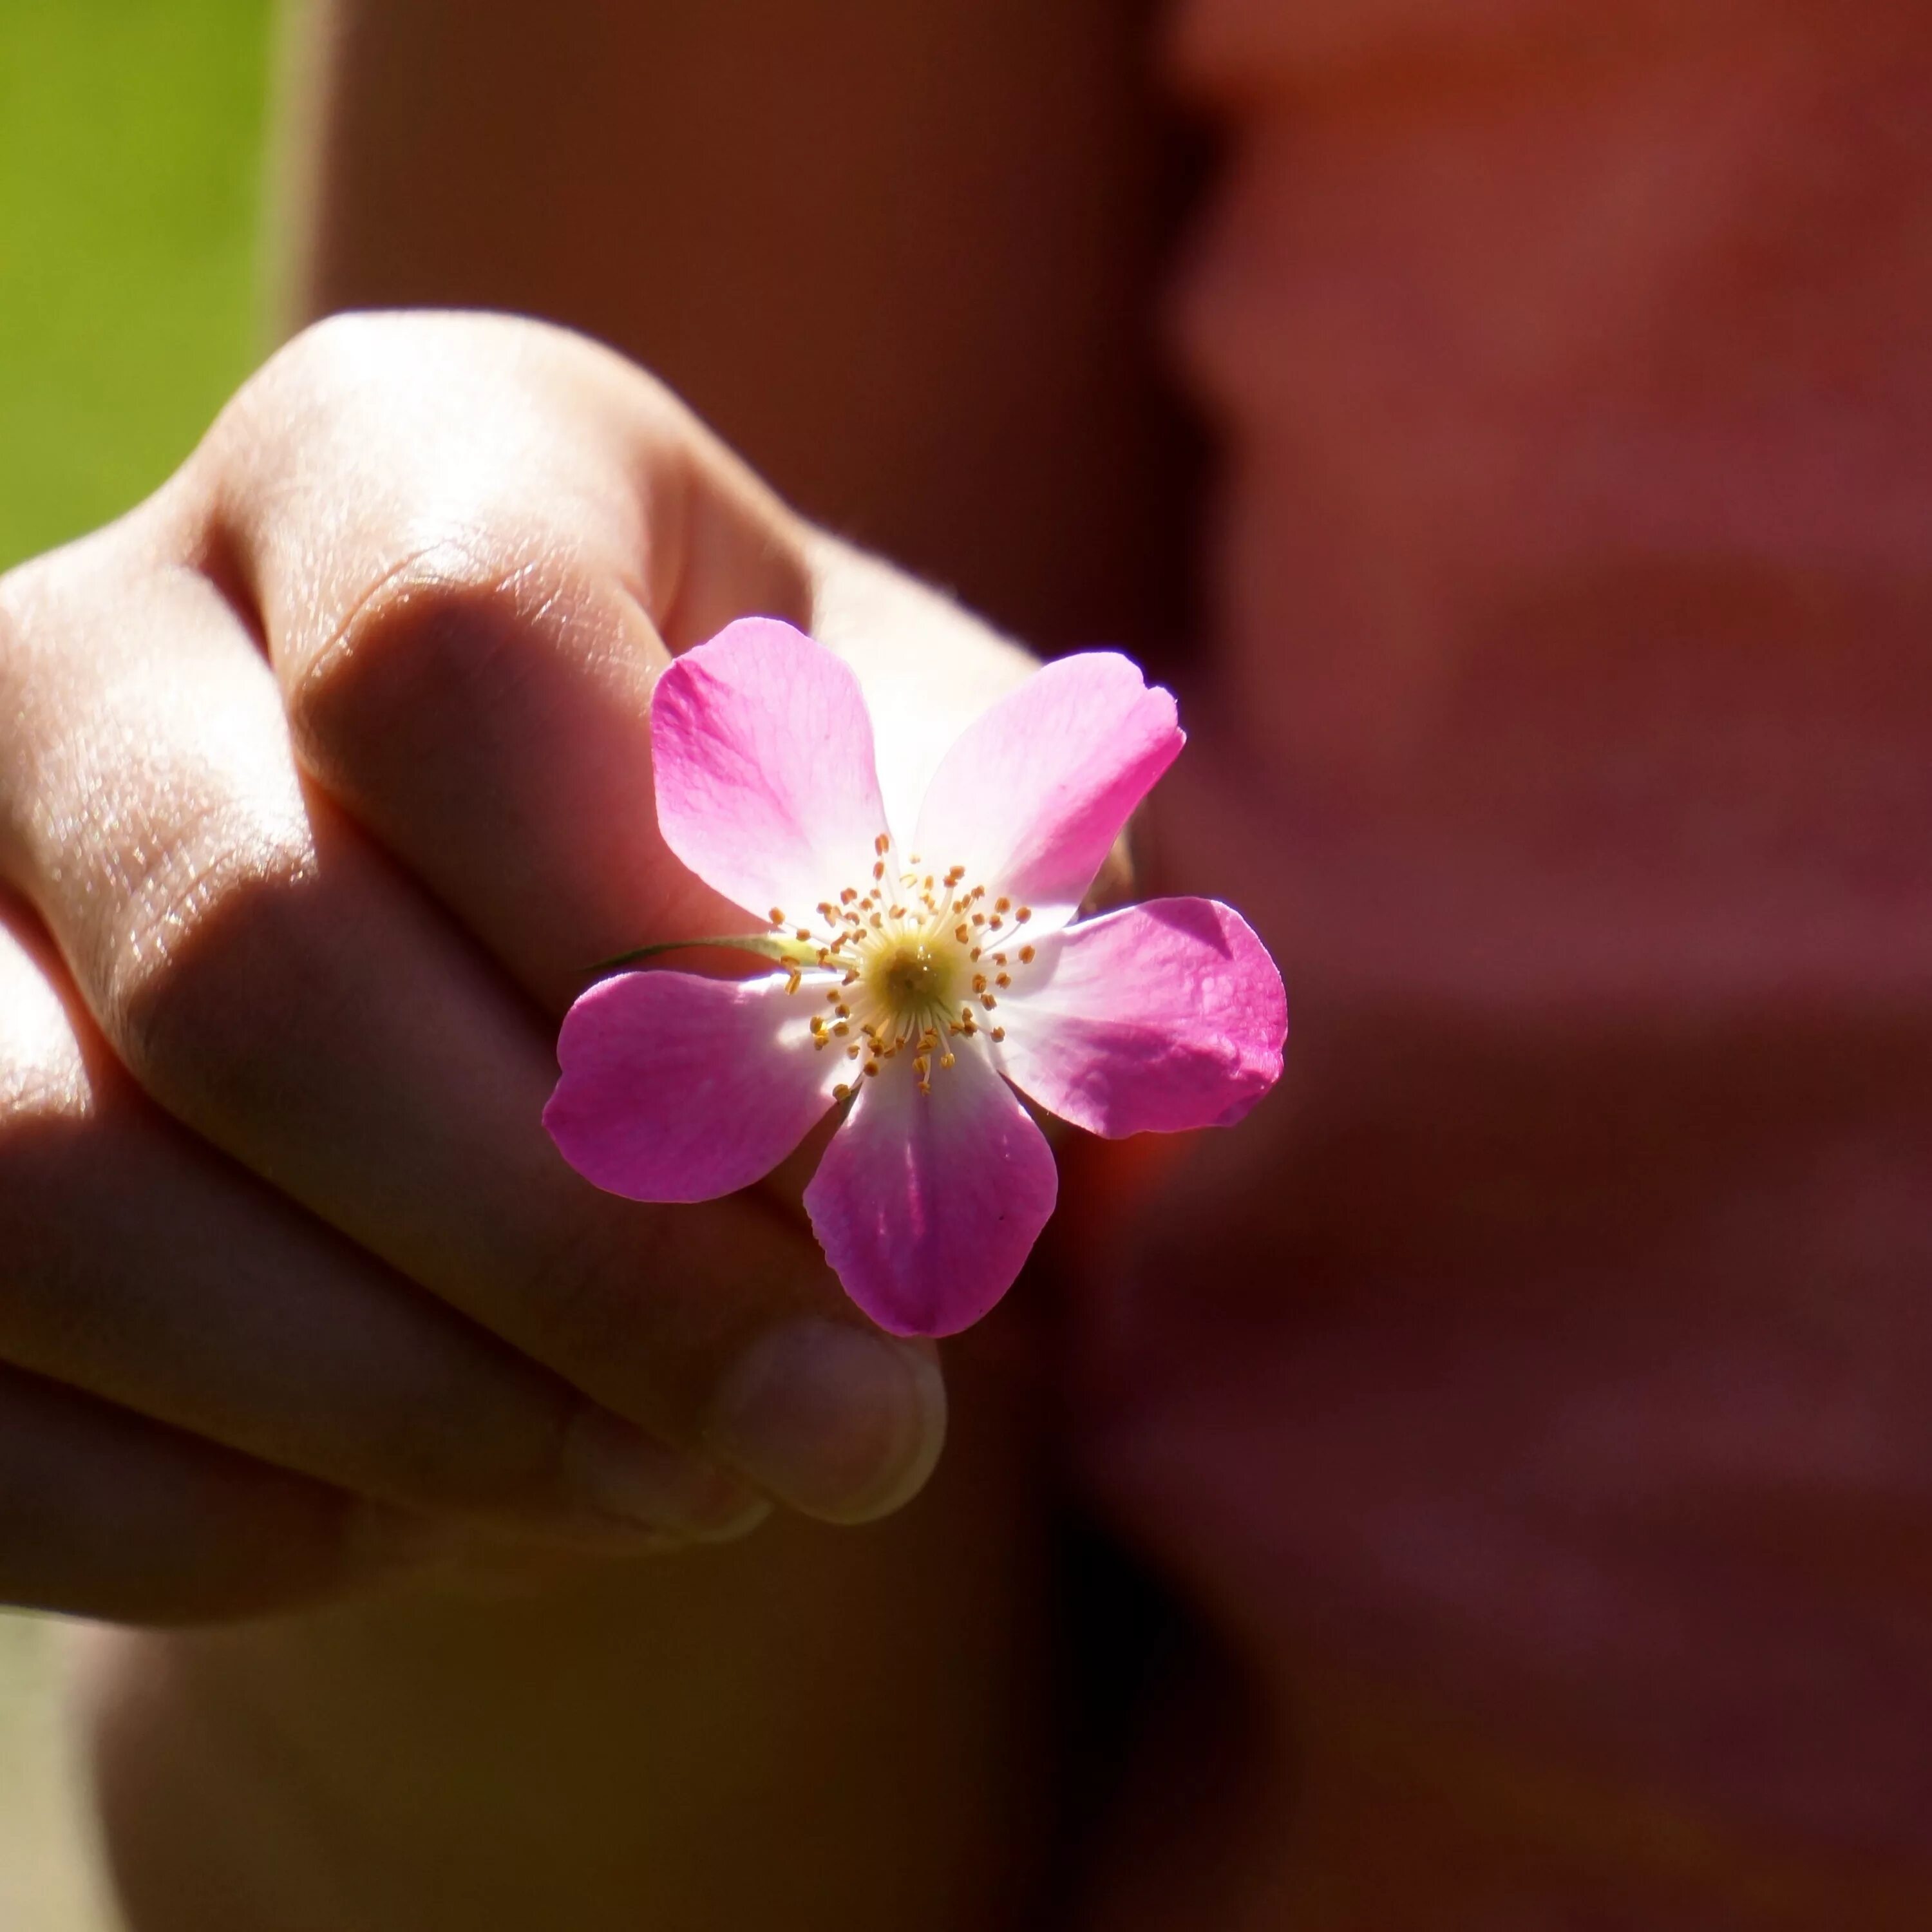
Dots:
{"x": 899, "y": 964}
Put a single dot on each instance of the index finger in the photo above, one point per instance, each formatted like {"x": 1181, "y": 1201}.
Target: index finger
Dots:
{"x": 473, "y": 543}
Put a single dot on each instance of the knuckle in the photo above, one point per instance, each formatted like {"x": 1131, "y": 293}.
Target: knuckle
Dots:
{"x": 457, "y": 629}
{"x": 325, "y": 354}
{"x": 37, "y": 596}
{"x": 219, "y": 948}
{"x": 382, "y": 366}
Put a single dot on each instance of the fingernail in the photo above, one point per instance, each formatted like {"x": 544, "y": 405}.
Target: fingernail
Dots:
{"x": 622, "y": 1472}
{"x": 841, "y": 1424}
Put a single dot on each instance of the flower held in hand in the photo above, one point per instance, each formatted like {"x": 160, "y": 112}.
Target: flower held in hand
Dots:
{"x": 921, "y": 970}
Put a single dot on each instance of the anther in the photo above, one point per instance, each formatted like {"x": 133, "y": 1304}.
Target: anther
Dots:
{"x": 962, "y": 934}
{"x": 1002, "y": 905}
{"x": 804, "y": 932}
{"x": 987, "y": 1000}
{"x": 879, "y": 870}
{"x": 1002, "y": 979}
{"x": 777, "y": 917}
{"x": 871, "y": 1066}
{"x": 1026, "y": 955}
{"x": 947, "y": 1060}
{"x": 848, "y": 896}
{"x": 1023, "y": 914}
{"x": 841, "y": 1092}
{"x": 999, "y": 1033}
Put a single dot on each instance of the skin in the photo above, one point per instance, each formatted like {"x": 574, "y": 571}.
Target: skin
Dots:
{"x": 1572, "y": 1288}
{"x": 302, "y": 1305}
{"x": 358, "y": 1341}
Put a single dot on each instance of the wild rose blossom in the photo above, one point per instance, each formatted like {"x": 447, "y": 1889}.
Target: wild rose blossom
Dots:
{"x": 919, "y": 971}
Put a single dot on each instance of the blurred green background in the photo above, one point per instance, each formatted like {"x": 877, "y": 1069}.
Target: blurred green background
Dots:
{"x": 130, "y": 195}
{"x": 130, "y": 174}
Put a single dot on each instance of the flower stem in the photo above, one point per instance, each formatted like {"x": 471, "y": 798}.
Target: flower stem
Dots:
{"x": 792, "y": 952}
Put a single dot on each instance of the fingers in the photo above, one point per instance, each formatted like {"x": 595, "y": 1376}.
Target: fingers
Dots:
{"x": 281, "y": 988}
{"x": 472, "y": 543}
{"x": 104, "y": 1514}
{"x": 467, "y": 607}
{"x": 142, "y": 1268}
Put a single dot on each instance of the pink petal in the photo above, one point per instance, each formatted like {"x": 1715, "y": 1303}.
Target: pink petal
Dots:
{"x": 1035, "y": 790}
{"x": 762, "y": 749}
{"x": 679, "y": 1088}
{"x": 927, "y": 1204}
{"x": 1158, "y": 1018}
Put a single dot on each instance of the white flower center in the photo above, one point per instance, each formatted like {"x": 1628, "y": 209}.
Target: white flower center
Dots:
{"x": 912, "y": 964}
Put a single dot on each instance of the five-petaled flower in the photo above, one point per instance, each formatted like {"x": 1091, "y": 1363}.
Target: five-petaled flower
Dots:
{"x": 918, "y": 970}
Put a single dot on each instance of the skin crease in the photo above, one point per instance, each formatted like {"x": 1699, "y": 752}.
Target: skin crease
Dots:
{"x": 1545, "y": 1443}
{"x": 603, "y": 1745}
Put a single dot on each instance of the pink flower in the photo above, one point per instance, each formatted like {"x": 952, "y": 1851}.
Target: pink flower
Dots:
{"x": 922, "y": 969}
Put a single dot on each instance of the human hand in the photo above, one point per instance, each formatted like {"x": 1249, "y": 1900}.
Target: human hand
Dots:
{"x": 324, "y": 776}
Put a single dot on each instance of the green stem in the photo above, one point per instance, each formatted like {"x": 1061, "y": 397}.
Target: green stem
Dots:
{"x": 791, "y": 951}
